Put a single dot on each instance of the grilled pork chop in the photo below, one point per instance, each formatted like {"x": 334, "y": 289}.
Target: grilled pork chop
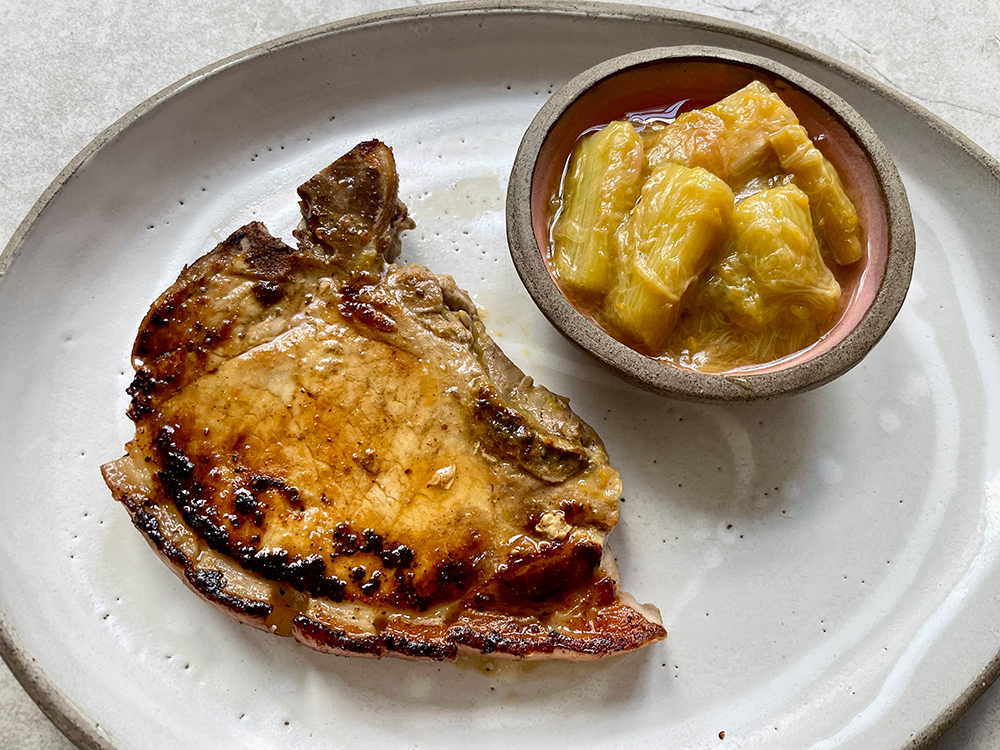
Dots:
{"x": 330, "y": 446}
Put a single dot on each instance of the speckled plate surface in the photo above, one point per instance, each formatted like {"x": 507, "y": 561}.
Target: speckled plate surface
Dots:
{"x": 826, "y": 564}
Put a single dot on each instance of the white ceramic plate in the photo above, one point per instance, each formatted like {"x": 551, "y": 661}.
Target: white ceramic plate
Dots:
{"x": 826, "y": 564}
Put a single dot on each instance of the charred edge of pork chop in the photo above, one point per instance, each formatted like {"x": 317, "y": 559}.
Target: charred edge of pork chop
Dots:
{"x": 620, "y": 625}
{"x": 177, "y": 336}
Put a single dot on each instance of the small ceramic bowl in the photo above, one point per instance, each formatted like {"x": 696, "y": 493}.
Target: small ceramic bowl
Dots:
{"x": 874, "y": 287}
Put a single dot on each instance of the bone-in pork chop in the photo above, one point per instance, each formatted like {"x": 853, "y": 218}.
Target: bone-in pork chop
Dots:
{"x": 330, "y": 446}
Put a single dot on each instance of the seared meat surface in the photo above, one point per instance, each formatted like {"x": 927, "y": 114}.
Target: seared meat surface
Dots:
{"x": 330, "y": 446}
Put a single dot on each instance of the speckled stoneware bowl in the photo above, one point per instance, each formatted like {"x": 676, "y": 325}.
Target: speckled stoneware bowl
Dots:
{"x": 874, "y": 288}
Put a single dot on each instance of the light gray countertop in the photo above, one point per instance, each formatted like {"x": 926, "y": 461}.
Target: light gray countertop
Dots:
{"x": 69, "y": 68}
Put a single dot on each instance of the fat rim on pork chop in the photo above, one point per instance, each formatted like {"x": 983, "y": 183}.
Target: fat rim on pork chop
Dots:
{"x": 330, "y": 446}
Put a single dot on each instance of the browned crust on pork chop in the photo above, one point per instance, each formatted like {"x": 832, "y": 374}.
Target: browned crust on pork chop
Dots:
{"x": 331, "y": 447}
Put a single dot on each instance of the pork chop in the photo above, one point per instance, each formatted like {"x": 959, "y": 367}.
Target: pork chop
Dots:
{"x": 329, "y": 446}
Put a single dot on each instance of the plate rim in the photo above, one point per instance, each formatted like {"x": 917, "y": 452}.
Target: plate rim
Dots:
{"x": 81, "y": 729}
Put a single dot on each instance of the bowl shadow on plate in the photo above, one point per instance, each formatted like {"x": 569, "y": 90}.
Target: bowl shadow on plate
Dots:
{"x": 725, "y": 463}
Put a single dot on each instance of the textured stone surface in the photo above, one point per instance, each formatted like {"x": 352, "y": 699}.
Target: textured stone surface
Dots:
{"x": 70, "y": 68}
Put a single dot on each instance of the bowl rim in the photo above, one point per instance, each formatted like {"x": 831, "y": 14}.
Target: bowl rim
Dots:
{"x": 664, "y": 379}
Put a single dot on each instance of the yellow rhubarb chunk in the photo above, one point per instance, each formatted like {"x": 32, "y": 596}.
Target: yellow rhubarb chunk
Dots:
{"x": 601, "y": 186}
{"x": 679, "y": 224}
{"x": 836, "y": 217}
{"x": 728, "y": 138}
